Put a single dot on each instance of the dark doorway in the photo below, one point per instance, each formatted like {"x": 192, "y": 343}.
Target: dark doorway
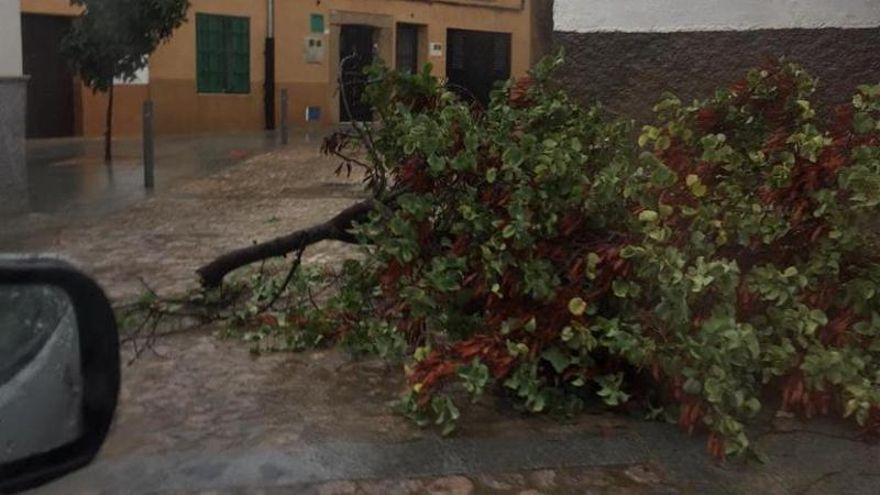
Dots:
{"x": 50, "y": 95}
{"x": 355, "y": 54}
{"x": 408, "y": 48}
{"x": 475, "y": 61}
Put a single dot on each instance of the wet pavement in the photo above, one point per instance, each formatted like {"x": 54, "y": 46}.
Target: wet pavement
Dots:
{"x": 68, "y": 179}
{"x": 122, "y": 235}
{"x": 203, "y": 415}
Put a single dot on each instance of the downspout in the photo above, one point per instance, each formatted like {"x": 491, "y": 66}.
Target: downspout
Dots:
{"x": 269, "y": 83}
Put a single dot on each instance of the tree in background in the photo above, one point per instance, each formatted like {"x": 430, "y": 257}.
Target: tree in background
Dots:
{"x": 113, "y": 39}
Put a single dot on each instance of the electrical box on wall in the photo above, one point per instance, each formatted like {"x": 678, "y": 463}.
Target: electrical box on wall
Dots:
{"x": 314, "y": 48}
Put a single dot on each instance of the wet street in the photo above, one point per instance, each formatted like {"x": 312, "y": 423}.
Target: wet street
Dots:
{"x": 69, "y": 181}
{"x": 202, "y": 415}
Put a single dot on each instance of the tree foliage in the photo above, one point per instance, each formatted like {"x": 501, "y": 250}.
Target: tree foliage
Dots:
{"x": 113, "y": 38}
{"x": 726, "y": 265}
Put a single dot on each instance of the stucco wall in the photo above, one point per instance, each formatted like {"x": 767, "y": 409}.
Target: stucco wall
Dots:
{"x": 510, "y": 16}
{"x": 50, "y": 7}
{"x": 714, "y": 15}
{"x": 10, "y": 38}
{"x": 173, "y": 66}
{"x": 172, "y": 71}
{"x": 13, "y": 87}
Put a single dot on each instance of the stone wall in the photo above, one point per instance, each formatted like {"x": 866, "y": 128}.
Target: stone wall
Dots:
{"x": 628, "y": 71}
{"x": 13, "y": 175}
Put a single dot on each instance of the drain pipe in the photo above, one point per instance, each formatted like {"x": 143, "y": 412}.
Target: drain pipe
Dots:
{"x": 269, "y": 83}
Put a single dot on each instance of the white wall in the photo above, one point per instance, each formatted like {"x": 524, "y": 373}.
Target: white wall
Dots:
{"x": 710, "y": 15}
{"x": 141, "y": 77}
{"x": 10, "y": 38}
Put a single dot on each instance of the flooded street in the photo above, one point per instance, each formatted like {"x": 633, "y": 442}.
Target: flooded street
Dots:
{"x": 69, "y": 181}
{"x": 70, "y": 174}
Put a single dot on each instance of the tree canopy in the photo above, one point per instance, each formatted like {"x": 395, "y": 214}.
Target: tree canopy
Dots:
{"x": 113, "y": 38}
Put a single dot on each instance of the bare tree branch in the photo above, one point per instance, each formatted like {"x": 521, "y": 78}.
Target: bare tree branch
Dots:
{"x": 336, "y": 229}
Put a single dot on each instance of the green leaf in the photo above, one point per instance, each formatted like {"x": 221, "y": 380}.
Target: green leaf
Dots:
{"x": 513, "y": 157}
{"x": 577, "y": 306}
{"x": 436, "y": 164}
{"x": 692, "y": 386}
{"x": 863, "y": 123}
{"x": 699, "y": 190}
{"x": 558, "y": 359}
{"x": 648, "y": 216}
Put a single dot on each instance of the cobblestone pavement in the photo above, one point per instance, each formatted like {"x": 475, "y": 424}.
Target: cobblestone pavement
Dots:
{"x": 164, "y": 238}
{"x": 625, "y": 480}
{"x": 202, "y": 415}
{"x": 68, "y": 180}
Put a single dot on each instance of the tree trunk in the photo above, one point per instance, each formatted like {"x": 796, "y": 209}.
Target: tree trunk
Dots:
{"x": 108, "y": 130}
{"x": 335, "y": 229}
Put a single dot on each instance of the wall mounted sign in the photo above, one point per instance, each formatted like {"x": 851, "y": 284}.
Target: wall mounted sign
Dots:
{"x": 313, "y": 114}
{"x": 316, "y": 23}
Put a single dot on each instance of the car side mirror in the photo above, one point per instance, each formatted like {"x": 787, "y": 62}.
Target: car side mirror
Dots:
{"x": 59, "y": 370}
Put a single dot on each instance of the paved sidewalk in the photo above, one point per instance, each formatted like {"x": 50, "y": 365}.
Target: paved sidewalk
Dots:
{"x": 192, "y": 217}
{"x": 69, "y": 181}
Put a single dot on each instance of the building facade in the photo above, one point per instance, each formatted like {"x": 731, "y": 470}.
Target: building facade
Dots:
{"x": 625, "y": 53}
{"x": 13, "y": 87}
{"x": 224, "y": 69}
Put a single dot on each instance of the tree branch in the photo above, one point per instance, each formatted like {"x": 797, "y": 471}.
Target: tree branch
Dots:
{"x": 335, "y": 229}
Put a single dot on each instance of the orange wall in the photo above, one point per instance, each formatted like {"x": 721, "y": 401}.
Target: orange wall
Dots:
{"x": 177, "y": 59}
{"x": 292, "y": 26}
{"x": 179, "y": 106}
{"x": 314, "y": 84}
{"x": 52, "y": 7}
{"x": 181, "y": 109}
{"x": 128, "y": 102}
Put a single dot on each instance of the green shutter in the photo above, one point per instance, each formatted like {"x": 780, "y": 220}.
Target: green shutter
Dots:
{"x": 240, "y": 56}
{"x": 222, "y": 54}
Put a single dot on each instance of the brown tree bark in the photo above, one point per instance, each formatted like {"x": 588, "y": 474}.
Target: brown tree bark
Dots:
{"x": 108, "y": 130}
{"x": 336, "y": 229}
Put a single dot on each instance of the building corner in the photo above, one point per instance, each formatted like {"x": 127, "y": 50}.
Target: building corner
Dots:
{"x": 13, "y": 92}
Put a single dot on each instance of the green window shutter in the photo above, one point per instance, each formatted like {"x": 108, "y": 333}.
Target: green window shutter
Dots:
{"x": 240, "y": 56}
{"x": 222, "y": 54}
{"x": 201, "y": 52}
{"x": 210, "y": 66}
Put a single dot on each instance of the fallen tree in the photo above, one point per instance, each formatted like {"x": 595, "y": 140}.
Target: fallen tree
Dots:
{"x": 730, "y": 267}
